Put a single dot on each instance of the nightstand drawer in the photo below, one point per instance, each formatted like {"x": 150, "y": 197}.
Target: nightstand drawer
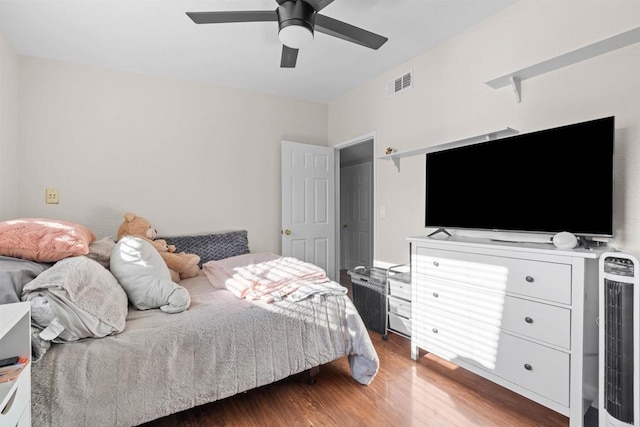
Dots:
{"x": 538, "y": 279}
{"x": 18, "y": 399}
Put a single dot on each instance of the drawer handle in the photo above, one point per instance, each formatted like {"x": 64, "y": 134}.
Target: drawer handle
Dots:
{"x": 436, "y": 263}
{"x": 528, "y": 319}
{"x": 9, "y": 404}
{"x": 435, "y": 295}
{"x": 528, "y": 367}
{"x": 435, "y": 330}
{"x": 529, "y": 279}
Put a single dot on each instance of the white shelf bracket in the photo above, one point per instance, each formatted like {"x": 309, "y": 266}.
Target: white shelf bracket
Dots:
{"x": 515, "y": 84}
{"x": 396, "y": 161}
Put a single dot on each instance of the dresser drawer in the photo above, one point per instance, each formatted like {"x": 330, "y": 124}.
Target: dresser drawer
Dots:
{"x": 445, "y": 297}
{"x": 538, "y": 279}
{"x": 445, "y": 335}
{"x": 543, "y": 370}
{"x": 486, "y": 307}
{"x": 19, "y": 398}
{"x": 535, "y": 320}
{"x": 533, "y": 366}
{"x": 540, "y": 321}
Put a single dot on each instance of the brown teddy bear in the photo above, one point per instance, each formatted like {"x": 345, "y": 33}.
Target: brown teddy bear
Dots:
{"x": 181, "y": 265}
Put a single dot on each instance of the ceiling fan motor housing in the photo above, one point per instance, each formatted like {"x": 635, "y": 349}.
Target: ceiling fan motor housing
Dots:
{"x": 298, "y": 13}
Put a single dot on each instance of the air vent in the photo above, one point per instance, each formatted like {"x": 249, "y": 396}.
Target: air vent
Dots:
{"x": 400, "y": 84}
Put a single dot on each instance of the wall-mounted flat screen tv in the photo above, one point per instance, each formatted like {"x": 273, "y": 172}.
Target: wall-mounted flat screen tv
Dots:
{"x": 548, "y": 181}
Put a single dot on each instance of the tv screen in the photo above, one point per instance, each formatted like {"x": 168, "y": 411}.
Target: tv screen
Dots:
{"x": 548, "y": 181}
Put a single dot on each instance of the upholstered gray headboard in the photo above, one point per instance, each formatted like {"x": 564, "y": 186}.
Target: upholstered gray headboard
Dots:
{"x": 212, "y": 246}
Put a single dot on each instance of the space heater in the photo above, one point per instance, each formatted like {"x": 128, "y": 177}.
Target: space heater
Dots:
{"x": 619, "y": 361}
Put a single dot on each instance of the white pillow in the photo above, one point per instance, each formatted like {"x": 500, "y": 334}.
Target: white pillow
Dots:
{"x": 146, "y": 278}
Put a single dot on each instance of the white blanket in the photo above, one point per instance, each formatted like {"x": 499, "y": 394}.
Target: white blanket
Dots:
{"x": 269, "y": 280}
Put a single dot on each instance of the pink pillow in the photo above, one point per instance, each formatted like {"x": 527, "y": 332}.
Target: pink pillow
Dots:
{"x": 43, "y": 239}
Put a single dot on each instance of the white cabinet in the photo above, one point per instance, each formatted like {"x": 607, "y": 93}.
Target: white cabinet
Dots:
{"x": 15, "y": 340}
{"x": 521, "y": 315}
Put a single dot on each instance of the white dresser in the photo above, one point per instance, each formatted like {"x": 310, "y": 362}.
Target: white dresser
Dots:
{"x": 521, "y": 315}
{"x": 15, "y": 340}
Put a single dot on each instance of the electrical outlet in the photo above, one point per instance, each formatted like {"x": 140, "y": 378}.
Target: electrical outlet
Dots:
{"x": 52, "y": 196}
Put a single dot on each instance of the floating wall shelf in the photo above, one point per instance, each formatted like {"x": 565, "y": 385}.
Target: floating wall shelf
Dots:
{"x": 395, "y": 157}
{"x": 513, "y": 79}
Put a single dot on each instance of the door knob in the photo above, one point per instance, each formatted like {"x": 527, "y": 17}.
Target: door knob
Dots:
{"x": 344, "y": 226}
{"x": 287, "y": 232}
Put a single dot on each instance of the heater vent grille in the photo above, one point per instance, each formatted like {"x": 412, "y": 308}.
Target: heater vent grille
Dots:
{"x": 400, "y": 83}
{"x": 618, "y": 349}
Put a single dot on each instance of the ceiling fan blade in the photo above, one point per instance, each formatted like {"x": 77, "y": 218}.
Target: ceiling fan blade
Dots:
{"x": 233, "y": 16}
{"x": 318, "y": 5}
{"x": 348, "y": 32}
{"x": 289, "y": 57}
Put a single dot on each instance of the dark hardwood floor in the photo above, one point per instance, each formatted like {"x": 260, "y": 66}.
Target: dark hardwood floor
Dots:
{"x": 427, "y": 392}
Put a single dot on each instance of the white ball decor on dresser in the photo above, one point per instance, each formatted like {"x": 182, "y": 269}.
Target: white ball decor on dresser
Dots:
{"x": 565, "y": 240}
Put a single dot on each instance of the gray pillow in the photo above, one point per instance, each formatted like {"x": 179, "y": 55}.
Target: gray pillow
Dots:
{"x": 212, "y": 247}
{"x": 14, "y": 274}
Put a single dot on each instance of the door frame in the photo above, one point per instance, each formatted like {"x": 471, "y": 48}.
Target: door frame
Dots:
{"x": 374, "y": 218}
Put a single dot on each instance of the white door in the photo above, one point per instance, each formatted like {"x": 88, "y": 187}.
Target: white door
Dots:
{"x": 355, "y": 183}
{"x": 308, "y": 204}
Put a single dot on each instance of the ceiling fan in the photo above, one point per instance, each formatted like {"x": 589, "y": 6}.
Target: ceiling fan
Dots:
{"x": 297, "y": 22}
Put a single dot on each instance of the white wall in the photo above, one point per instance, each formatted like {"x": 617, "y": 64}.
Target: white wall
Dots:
{"x": 450, "y": 101}
{"x": 189, "y": 157}
{"x": 8, "y": 130}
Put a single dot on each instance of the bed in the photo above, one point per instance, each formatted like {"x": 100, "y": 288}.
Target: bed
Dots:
{"x": 222, "y": 345}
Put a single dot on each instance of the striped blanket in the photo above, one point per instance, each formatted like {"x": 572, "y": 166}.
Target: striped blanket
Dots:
{"x": 272, "y": 280}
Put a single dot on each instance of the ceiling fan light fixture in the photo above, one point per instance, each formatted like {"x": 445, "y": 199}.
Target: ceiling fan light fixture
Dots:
{"x": 296, "y": 36}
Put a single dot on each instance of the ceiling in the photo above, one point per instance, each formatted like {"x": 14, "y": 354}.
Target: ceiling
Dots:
{"x": 156, "y": 37}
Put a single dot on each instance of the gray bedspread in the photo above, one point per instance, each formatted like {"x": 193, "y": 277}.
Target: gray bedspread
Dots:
{"x": 165, "y": 363}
